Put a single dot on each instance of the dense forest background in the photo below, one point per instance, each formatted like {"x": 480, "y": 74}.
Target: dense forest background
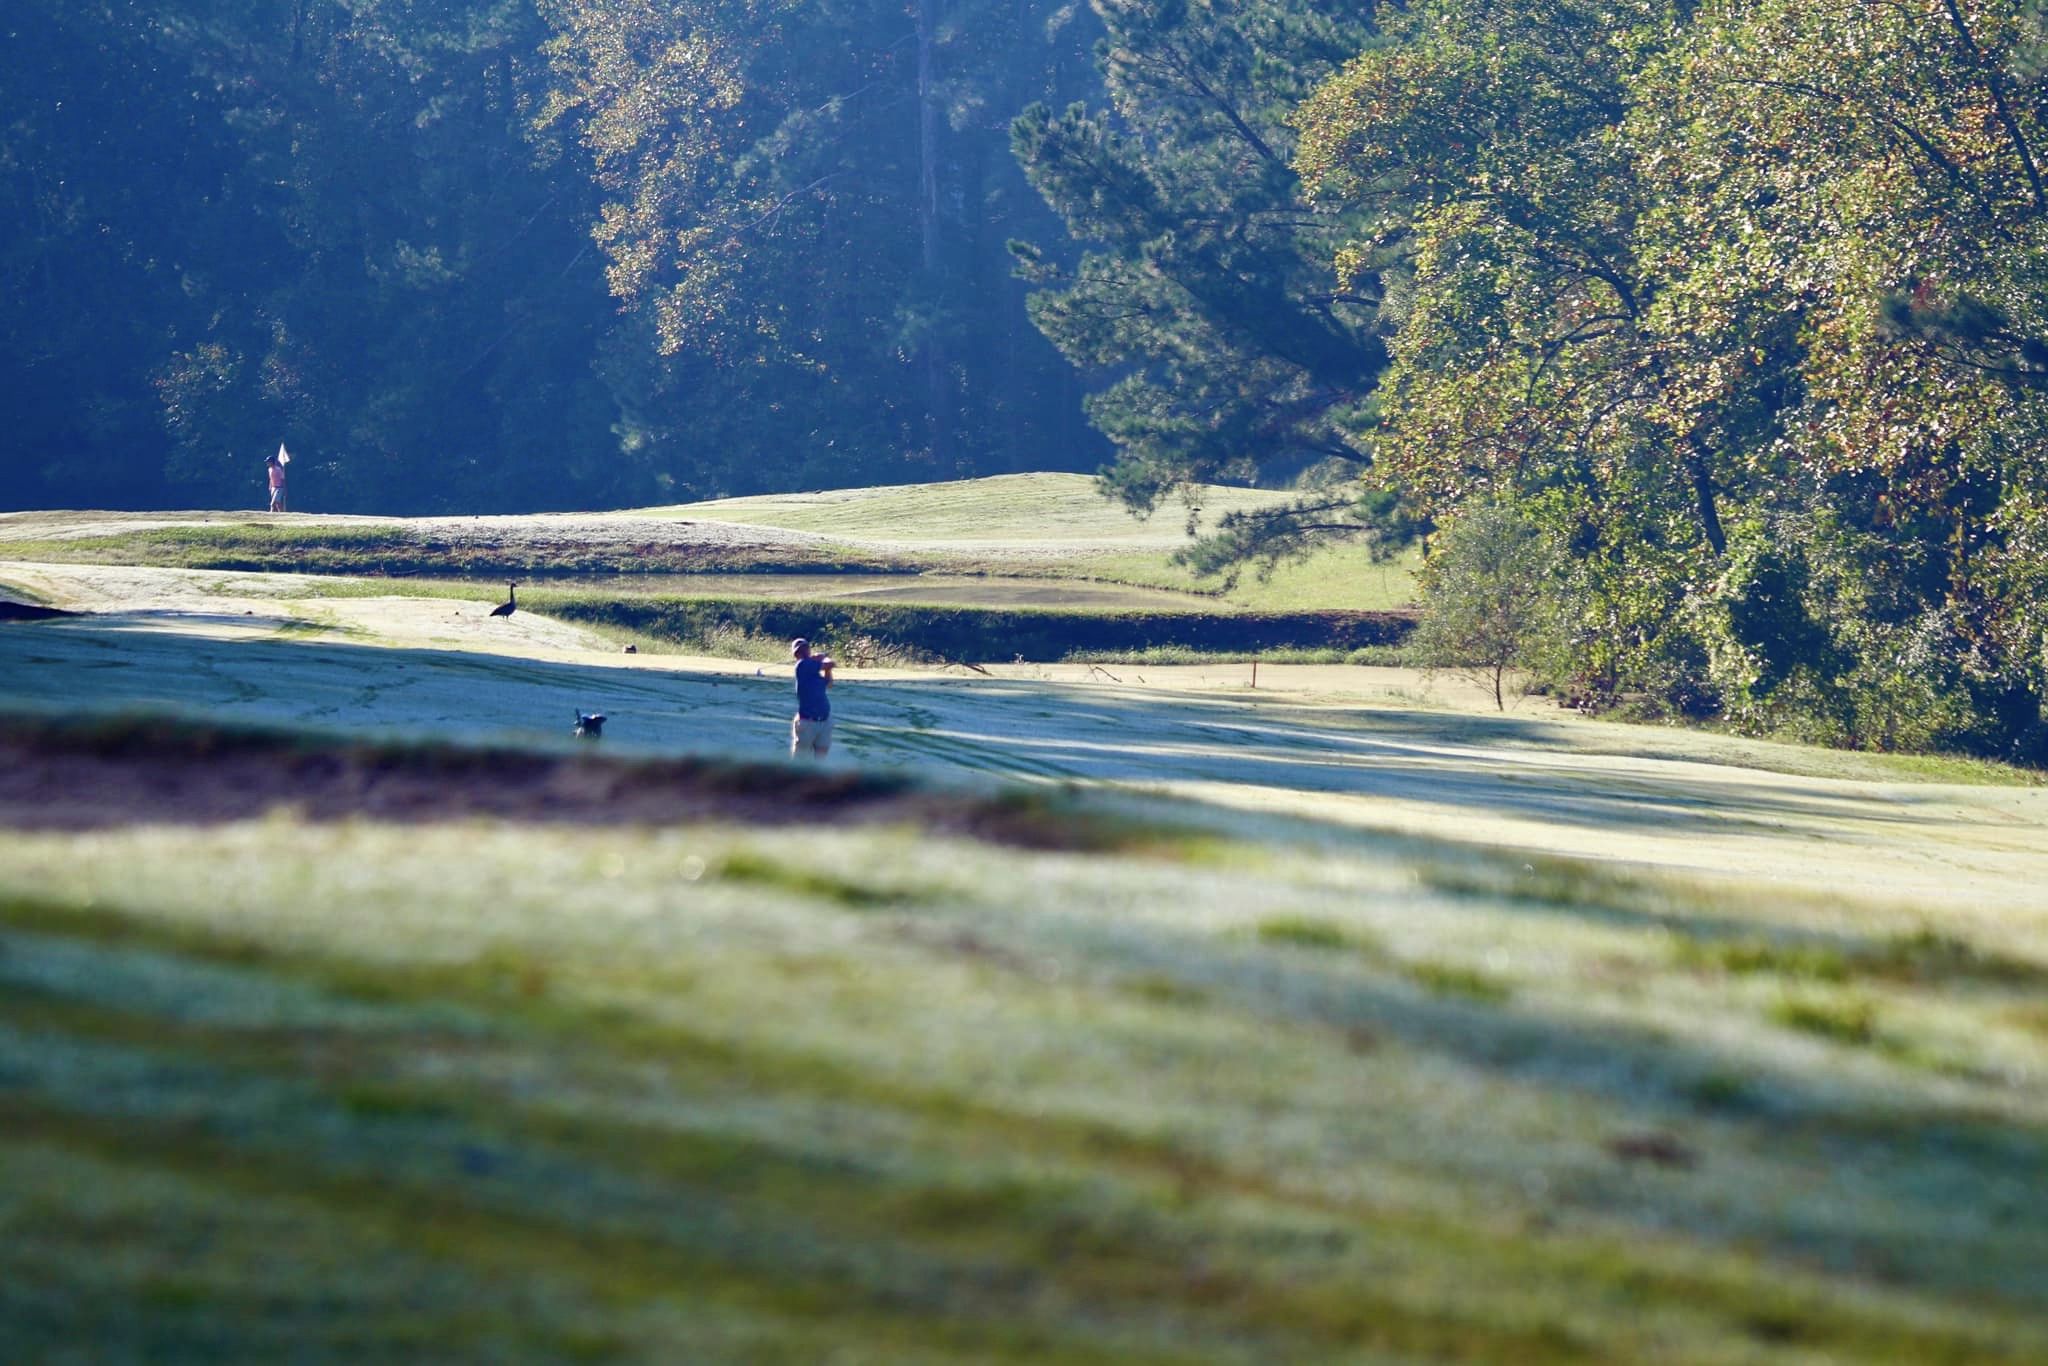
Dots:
{"x": 512, "y": 255}
{"x": 1730, "y": 315}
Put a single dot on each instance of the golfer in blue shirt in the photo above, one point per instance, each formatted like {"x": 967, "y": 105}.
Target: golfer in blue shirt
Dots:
{"x": 810, "y": 733}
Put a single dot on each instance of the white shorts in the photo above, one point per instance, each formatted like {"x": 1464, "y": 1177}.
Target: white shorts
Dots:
{"x": 809, "y": 737}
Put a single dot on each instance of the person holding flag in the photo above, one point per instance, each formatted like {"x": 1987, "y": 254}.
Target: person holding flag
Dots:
{"x": 276, "y": 465}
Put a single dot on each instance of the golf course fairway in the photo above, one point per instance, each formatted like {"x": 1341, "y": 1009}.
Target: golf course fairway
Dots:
{"x": 350, "y": 1010}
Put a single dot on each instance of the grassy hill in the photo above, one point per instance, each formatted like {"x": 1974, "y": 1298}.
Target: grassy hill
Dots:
{"x": 1004, "y": 511}
{"x": 976, "y": 1077}
{"x": 998, "y": 542}
{"x": 1047, "y": 513}
{"x": 350, "y": 1010}
{"x": 1058, "y": 525}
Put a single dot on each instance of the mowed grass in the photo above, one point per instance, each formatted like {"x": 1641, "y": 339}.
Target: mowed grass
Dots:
{"x": 1061, "y": 526}
{"x": 1336, "y": 577}
{"x": 1004, "y": 510}
{"x": 1004, "y": 542}
{"x": 426, "y": 548}
{"x": 1736, "y": 1053}
{"x": 463, "y": 1091}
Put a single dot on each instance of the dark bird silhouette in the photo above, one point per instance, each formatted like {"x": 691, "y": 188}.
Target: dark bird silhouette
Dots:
{"x": 510, "y": 604}
{"x": 589, "y": 727}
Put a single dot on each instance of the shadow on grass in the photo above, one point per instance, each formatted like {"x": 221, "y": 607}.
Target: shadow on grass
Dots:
{"x": 1942, "y": 1204}
{"x": 1870, "y": 1157}
{"x": 1500, "y": 765}
{"x": 993, "y": 728}
{"x": 1936, "y": 1172}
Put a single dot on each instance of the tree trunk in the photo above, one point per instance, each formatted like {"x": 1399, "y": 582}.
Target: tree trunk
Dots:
{"x": 1703, "y": 499}
{"x": 938, "y": 399}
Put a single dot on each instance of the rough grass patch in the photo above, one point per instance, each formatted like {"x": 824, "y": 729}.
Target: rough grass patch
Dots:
{"x": 725, "y": 640}
{"x": 1848, "y": 1020}
{"x": 382, "y": 1100}
{"x": 960, "y": 634}
{"x": 1927, "y": 954}
{"x": 2032, "y": 1017}
{"x": 1546, "y": 881}
{"x": 1384, "y": 656}
{"x": 1309, "y": 932}
{"x": 1745, "y": 957}
{"x": 1160, "y": 989}
{"x": 758, "y": 870}
{"x": 1062, "y": 1251}
{"x": 1719, "y": 1091}
{"x": 22, "y": 594}
{"x": 512, "y": 972}
{"x": 1922, "y": 956}
{"x": 410, "y": 550}
{"x": 1454, "y": 980}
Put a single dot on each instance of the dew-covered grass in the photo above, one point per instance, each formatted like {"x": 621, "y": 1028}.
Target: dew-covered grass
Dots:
{"x": 1305, "y": 1022}
{"x": 516, "y": 1091}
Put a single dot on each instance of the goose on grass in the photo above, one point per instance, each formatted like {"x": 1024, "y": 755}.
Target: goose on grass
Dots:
{"x": 511, "y": 602}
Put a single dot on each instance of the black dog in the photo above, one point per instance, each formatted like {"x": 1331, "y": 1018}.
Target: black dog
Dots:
{"x": 589, "y": 727}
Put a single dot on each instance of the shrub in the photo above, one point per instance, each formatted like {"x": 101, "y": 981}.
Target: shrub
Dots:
{"x": 1488, "y": 597}
{"x": 976, "y": 634}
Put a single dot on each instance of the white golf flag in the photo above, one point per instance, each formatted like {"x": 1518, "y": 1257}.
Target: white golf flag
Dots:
{"x": 284, "y": 457}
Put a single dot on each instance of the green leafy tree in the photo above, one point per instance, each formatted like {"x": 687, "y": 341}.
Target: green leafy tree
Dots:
{"x": 1488, "y": 142}
{"x": 804, "y": 206}
{"x": 327, "y": 223}
{"x": 1780, "y": 260}
{"x": 523, "y": 253}
{"x": 1877, "y": 181}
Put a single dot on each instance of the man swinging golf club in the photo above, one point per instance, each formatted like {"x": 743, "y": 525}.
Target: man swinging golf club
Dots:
{"x": 810, "y": 732}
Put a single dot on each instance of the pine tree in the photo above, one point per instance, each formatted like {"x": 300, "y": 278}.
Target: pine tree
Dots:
{"x": 1206, "y": 304}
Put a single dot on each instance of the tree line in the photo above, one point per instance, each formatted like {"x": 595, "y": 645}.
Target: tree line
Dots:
{"x": 513, "y": 254}
{"x": 1733, "y": 316}
{"x": 1729, "y": 315}
{"x": 495, "y": 255}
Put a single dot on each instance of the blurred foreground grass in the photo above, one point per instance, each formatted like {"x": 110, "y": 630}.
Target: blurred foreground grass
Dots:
{"x": 520, "y": 1090}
